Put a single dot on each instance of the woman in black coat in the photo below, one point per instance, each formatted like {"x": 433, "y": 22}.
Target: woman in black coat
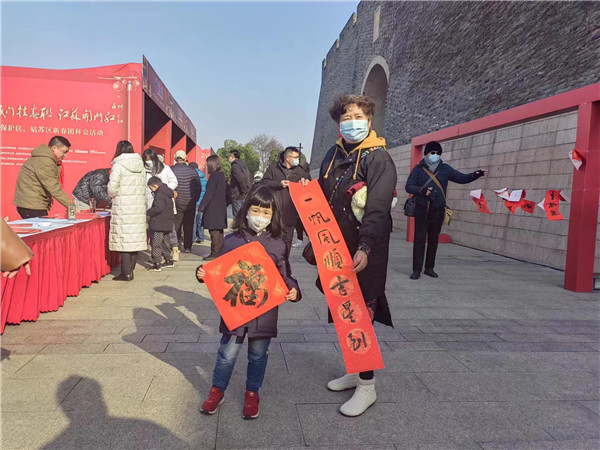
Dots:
{"x": 360, "y": 156}
{"x": 214, "y": 205}
{"x": 429, "y": 213}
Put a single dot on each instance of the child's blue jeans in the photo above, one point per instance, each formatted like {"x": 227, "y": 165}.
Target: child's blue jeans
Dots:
{"x": 258, "y": 354}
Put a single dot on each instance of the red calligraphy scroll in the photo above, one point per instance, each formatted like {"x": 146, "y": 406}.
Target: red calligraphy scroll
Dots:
{"x": 345, "y": 300}
{"x": 244, "y": 284}
{"x": 551, "y": 204}
{"x": 480, "y": 201}
{"x": 527, "y": 206}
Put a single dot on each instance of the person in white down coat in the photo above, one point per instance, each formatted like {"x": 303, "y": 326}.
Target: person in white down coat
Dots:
{"x": 127, "y": 187}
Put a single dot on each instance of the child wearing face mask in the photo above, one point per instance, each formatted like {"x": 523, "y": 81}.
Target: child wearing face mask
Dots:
{"x": 259, "y": 220}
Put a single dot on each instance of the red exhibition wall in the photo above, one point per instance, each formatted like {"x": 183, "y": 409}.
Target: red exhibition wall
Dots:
{"x": 93, "y": 108}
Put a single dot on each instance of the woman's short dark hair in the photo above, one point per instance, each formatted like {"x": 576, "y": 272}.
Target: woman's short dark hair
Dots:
{"x": 235, "y": 153}
{"x": 123, "y": 147}
{"x": 263, "y": 197}
{"x": 343, "y": 101}
{"x": 213, "y": 164}
{"x": 158, "y": 165}
{"x": 194, "y": 165}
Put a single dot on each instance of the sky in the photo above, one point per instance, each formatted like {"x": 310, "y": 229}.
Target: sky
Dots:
{"x": 237, "y": 69}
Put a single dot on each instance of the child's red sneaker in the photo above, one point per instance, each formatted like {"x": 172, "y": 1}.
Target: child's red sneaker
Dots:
{"x": 215, "y": 397}
{"x": 251, "y": 405}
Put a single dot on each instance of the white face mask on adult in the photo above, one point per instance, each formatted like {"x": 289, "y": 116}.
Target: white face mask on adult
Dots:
{"x": 257, "y": 223}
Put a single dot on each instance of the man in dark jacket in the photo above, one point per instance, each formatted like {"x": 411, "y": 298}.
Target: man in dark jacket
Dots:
{"x": 188, "y": 193}
{"x": 278, "y": 177}
{"x": 431, "y": 200}
{"x": 161, "y": 217}
{"x": 92, "y": 185}
{"x": 240, "y": 183}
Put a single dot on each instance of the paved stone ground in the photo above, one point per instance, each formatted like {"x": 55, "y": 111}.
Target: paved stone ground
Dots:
{"x": 493, "y": 354}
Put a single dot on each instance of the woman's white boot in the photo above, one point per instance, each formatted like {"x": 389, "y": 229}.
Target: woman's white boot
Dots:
{"x": 348, "y": 381}
{"x": 364, "y": 396}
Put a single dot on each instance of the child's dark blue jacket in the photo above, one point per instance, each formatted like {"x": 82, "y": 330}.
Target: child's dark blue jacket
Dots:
{"x": 266, "y": 324}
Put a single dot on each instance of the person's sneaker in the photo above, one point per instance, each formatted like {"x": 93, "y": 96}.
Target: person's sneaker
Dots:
{"x": 187, "y": 250}
{"x": 251, "y": 405}
{"x": 209, "y": 257}
{"x": 168, "y": 264}
{"x": 175, "y": 254}
{"x": 298, "y": 243}
{"x": 154, "y": 268}
{"x": 215, "y": 397}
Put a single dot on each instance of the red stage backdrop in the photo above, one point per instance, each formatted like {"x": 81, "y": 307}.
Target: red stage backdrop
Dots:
{"x": 87, "y": 106}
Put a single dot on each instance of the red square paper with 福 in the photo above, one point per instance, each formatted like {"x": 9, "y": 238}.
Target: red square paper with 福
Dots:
{"x": 244, "y": 284}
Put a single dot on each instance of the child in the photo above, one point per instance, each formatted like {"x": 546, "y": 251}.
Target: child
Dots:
{"x": 258, "y": 220}
{"x": 161, "y": 223}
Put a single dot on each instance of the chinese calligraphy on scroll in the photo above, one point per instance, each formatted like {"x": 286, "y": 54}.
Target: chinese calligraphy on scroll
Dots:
{"x": 342, "y": 291}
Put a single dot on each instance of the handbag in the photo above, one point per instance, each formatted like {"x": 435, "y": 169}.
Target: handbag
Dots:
{"x": 309, "y": 255}
{"x": 410, "y": 206}
{"x": 13, "y": 252}
{"x": 447, "y": 211}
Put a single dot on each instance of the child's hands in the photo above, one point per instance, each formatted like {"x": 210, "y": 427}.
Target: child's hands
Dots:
{"x": 200, "y": 274}
{"x": 292, "y": 295}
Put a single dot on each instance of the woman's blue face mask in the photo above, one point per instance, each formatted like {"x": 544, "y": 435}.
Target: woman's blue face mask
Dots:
{"x": 433, "y": 157}
{"x": 354, "y": 131}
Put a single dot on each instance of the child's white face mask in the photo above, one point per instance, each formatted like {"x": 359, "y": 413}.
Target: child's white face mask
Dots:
{"x": 258, "y": 223}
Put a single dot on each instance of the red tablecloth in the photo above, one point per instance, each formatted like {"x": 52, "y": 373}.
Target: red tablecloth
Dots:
{"x": 65, "y": 260}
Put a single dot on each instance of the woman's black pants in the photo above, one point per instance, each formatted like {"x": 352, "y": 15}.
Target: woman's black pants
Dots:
{"x": 428, "y": 225}
{"x": 128, "y": 262}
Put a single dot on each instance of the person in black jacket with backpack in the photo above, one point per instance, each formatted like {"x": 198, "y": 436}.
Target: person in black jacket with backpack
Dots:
{"x": 431, "y": 202}
{"x": 161, "y": 222}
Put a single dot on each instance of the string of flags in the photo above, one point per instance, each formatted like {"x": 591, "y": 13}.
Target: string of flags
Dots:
{"x": 514, "y": 200}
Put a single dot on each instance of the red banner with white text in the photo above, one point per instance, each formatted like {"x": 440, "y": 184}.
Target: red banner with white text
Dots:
{"x": 89, "y": 107}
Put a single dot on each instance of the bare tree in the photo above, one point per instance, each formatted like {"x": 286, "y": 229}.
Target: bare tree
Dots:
{"x": 264, "y": 145}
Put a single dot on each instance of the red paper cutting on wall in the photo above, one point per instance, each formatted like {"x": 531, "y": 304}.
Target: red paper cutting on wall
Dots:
{"x": 479, "y": 200}
{"x": 576, "y": 158}
{"x": 527, "y": 206}
{"x": 551, "y": 204}
{"x": 345, "y": 300}
{"x": 244, "y": 284}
